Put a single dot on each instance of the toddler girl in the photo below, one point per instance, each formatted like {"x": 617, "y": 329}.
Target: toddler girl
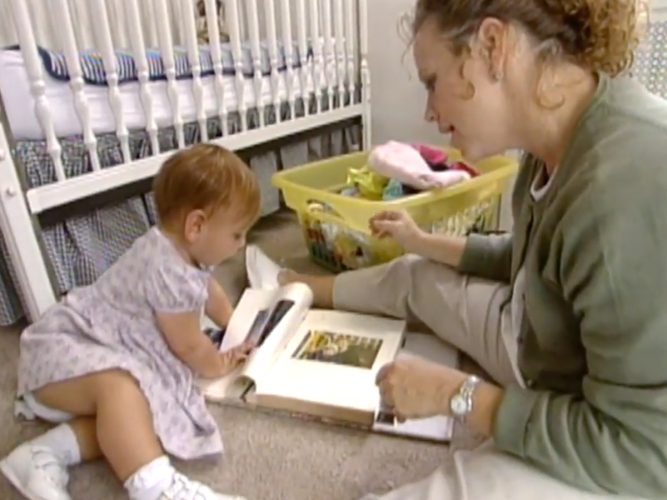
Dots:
{"x": 116, "y": 362}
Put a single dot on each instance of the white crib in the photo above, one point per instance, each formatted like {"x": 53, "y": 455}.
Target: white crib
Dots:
{"x": 239, "y": 73}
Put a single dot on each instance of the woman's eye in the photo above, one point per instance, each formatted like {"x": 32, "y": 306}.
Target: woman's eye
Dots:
{"x": 430, "y": 84}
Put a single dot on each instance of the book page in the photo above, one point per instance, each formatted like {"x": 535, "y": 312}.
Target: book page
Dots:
{"x": 264, "y": 316}
{"x": 333, "y": 360}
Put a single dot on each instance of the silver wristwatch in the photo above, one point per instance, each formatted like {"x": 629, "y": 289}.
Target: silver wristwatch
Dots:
{"x": 460, "y": 403}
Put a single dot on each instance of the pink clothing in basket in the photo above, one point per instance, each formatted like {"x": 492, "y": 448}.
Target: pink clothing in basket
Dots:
{"x": 406, "y": 164}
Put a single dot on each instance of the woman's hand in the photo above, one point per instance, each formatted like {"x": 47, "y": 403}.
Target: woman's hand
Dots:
{"x": 235, "y": 356}
{"x": 416, "y": 388}
{"x": 399, "y": 226}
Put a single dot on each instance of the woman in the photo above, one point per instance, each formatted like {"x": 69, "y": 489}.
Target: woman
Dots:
{"x": 567, "y": 313}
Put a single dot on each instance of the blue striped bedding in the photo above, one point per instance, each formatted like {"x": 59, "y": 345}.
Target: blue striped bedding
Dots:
{"x": 94, "y": 74}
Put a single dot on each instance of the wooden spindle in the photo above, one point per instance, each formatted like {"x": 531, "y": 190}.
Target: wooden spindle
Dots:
{"x": 303, "y": 53}
{"x": 68, "y": 40}
{"x": 329, "y": 59}
{"x": 37, "y": 84}
{"x": 117, "y": 15}
{"x": 139, "y": 51}
{"x": 83, "y": 26}
{"x": 340, "y": 50}
{"x": 235, "y": 38}
{"x": 349, "y": 48}
{"x": 103, "y": 31}
{"x": 167, "y": 52}
{"x": 212, "y": 16}
{"x": 188, "y": 16}
{"x": 42, "y": 24}
{"x": 256, "y": 50}
{"x": 150, "y": 19}
{"x": 318, "y": 62}
{"x": 270, "y": 10}
{"x": 365, "y": 73}
{"x": 288, "y": 49}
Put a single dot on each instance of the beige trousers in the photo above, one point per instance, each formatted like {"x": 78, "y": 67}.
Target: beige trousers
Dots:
{"x": 468, "y": 313}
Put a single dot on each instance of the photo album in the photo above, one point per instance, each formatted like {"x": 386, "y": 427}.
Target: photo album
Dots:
{"x": 317, "y": 363}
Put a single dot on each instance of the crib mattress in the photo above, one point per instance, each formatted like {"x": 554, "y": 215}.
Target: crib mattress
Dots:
{"x": 20, "y": 104}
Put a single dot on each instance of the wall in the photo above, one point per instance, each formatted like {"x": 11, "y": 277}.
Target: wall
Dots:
{"x": 398, "y": 98}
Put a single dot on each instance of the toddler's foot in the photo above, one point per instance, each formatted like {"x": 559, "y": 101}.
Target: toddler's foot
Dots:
{"x": 37, "y": 472}
{"x": 158, "y": 480}
{"x": 183, "y": 488}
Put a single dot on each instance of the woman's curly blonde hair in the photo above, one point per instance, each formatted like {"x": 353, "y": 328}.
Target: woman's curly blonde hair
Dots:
{"x": 598, "y": 34}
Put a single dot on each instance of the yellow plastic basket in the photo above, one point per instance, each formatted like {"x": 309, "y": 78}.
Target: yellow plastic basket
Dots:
{"x": 335, "y": 227}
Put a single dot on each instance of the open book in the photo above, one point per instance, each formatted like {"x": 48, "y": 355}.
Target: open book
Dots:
{"x": 319, "y": 363}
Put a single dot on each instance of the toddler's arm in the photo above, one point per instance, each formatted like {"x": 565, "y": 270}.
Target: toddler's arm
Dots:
{"x": 183, "y": 334}
{"x": 218, "y": 307}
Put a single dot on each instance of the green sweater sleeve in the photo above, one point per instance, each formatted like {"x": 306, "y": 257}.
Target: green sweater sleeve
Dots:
{"x": 488, "y": 256}
{"x": 612, "y": 254}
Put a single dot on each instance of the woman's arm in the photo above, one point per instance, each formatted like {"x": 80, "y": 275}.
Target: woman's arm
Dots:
{"x": 486, "y": 256}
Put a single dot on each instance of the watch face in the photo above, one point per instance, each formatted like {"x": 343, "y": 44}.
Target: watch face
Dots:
{"x": 458, "y": 405}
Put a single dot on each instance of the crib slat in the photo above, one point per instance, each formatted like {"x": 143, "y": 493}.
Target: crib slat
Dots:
{"x": 42, "y": 25}
{"x": 116, "y": 15}
{"x": 288, "y": 48}
{"x": 64, "y": 19}
{"x": 103, "y": 31}
{"x": 188, "y": 16}
{"x": 83, "y": 25}
{"x": 303, "y": 53}
{"x": 37, "y": 85}
{"x": 167, "y": 53}
{"x": 149, "y": 21}
{"x": 270, "y": 9}
{"x": 317, "y": 52}
{"x": 216, "y": 55}
{"x": 235, "y": 37}
{"x": 349, "y": 47}
{"x": 139, "y": 51}
{"x": 329, "y": 58}
{"x": 365, "y": 73}
{"x": 340, "y": 51}
{"x": 256, "y": 58}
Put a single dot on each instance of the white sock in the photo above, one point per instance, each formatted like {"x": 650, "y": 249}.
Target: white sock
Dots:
{"x": 151, "y": 480}
{"x": 63, "y": 442}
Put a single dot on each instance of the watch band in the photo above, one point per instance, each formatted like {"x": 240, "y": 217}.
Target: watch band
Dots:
{"x": 465, "y": 393}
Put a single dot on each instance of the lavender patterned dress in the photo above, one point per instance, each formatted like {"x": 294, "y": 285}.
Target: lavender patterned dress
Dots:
{"x": 111, "y": 325}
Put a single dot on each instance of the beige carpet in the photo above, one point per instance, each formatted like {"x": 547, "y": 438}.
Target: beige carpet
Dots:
{"x": 268, "y": 457}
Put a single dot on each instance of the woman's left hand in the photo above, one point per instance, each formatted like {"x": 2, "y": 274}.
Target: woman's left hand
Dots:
{"x": 416, "y": 388}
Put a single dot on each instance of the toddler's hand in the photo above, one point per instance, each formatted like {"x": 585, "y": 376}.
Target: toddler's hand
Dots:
{"x": 397, "y": 225}
{"x": 232, "y": 358}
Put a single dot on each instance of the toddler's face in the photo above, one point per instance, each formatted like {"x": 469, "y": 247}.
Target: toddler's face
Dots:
{"x": 221, "y": 236}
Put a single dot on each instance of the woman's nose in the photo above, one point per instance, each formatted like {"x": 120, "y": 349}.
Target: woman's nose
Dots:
{"x": 429, "y": 115}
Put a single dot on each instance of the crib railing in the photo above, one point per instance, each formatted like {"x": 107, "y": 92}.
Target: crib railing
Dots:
{"x": 334, "y": 63}
{"x": 330, "y": 36}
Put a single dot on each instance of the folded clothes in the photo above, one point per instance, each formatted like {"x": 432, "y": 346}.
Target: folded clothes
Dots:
{"x": 403, "y": 162}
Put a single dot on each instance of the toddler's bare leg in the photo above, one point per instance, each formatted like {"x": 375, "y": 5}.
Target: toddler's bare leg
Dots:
{"x": 85, "y": 430}
{"x": 123, "y": 420}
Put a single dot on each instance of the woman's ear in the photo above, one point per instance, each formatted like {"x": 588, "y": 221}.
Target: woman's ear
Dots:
{"x": 194, "y": 225}
{"x": 493, "y": 44}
